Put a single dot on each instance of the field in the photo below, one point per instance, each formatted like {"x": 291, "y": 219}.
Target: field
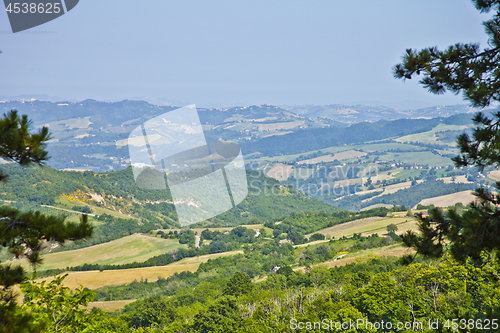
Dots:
{"x": 396, "y": 250}
{"x": 419, "y": 158}
{"x": 274, "y": 134}
{"x": 121, "y": 251}
{"x": 110, "y": 305}
{"x": 464, "y": 197}
{"x": 367, "y": 147}
{"x": 337, "y": 156}
{"x": 376, "y": 206}
{"x": 280, "y": 172}
{"x": 495, "y": 175}
{"x": 430, "y": 136}
{"x": 386, "y": 251}
{"x": 280, "y": 126}
{"x": 458, "y": 179}
{"x": 97, "y": 279}
{"x": 70, "y": 124}
{"x": 198, "y": 231}
{"x": 368, "y": 226}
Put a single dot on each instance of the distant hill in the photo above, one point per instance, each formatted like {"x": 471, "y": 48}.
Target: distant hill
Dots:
{"x": 358, "y": 113}
{"x": 314, "y": 139}
{"x": 92, "y": 135}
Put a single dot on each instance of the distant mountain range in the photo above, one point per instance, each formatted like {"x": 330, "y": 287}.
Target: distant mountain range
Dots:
{"x": 93, "y": 135}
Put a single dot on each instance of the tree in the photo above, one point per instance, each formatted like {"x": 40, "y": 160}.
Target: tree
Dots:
{"x": 239, "y": 284}
{"x": 60, "y": 310}
{"x": 18, "y": 145}
{"x": 223, "y": 316}
{"x": 464, "y": 68}
{"x": 392, "y": 228}
{"x": 154, "y": 311}
{"x": 24, "y": 233}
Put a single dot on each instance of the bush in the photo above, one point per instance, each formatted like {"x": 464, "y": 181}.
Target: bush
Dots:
{"x": 316, "y": 237}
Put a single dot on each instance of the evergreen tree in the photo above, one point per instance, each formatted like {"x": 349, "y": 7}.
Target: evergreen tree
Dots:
{"x": 239, "y": 284}
{"x": 24, "y": 233}
{"x": 475, "y": 72}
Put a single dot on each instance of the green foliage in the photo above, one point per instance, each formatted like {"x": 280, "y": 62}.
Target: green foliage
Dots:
{"x": 373, "y": 290}
{"x": 296, "y": 225}
{"x": 24, "y": 233}
{"x": 153, "y": 311}
{"x": 468, "y": 69}
{"x": 239, "y": 284}
{"x": 315, "y": 237}
{"x": 56, "y": 309}
{"x": 392, "y": 227}
{"x": 18, "y": 145}
{"x": 222, "y": 317}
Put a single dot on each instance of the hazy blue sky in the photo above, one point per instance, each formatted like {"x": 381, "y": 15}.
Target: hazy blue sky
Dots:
{"x": 234, "y": 51}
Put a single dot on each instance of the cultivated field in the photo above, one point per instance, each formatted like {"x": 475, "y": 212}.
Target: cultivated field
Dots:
{"x": 97, "y": 279}
{"x": 419, "y": 158}
{"x": 121, "y": 251}
{"x": 458, "y": 179}
{"x": 495, "y": 175}
{"x": 430, "y": 136}
{"x": 386, "y": 251}
{"x": 280, "y": 171}
{"x": 274, "y": 134}
{"x": 367, "y": 226}
{"x": 280, "y": 126}
{"x": 337, "y": 156}
{"x": 464, "y": 197}
{"x": 110, "y": 305}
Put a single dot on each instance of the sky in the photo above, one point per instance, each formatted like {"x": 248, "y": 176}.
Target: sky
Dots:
{"x": 227, "y": 52}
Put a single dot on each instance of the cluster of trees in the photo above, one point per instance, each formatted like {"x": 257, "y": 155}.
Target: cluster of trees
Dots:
{"x": 375, "y": 290}
{"x": 295, "y": 226}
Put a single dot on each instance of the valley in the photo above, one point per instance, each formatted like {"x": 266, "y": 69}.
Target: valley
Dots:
{"x": 325, "y": 187}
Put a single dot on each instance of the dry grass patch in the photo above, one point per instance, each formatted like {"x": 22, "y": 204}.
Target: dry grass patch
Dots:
{"x": 280, "y": 171}
{"x": 495, "y": 175}
{"x": 464, "y": 197}
{"x": 121, "y": 251}
{"x": 344, "y": 155}
{"x": 110, "y": 305}
{"x": 280, "y": 126}
{"x": 346, "y": 226}
{"x": 386, "y": 251}
{"x": 97, "y": 279}
{"x": 458, "y": 179}
{"x": 367, "y": 226}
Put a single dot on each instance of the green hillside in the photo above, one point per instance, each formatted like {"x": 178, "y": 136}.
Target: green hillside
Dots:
{"x": 121, "y": 208}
